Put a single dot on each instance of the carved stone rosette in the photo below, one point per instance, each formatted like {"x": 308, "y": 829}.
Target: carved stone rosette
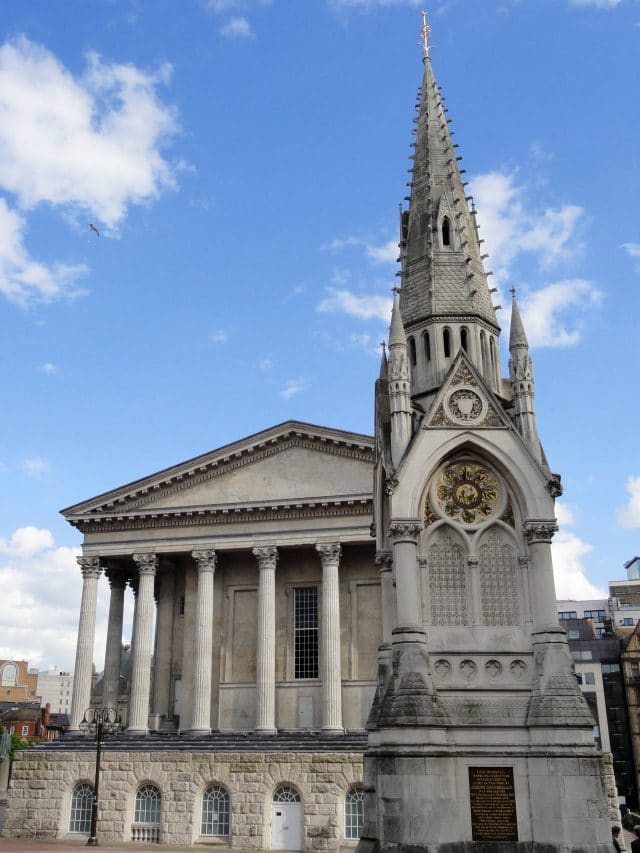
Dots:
{"x": 89, "y": 566}
{"x": 329, "y": 552}
{"x": 539, "y": 530}
{"x": 267, "y": 556}
{"x": 205, "y": 560}
{"x": 405, "y": 529}
{"x": 146, "y": 563}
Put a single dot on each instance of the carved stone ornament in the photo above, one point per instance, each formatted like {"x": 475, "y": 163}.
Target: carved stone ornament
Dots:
{"x": 329, "y": 552}
{"x": 89, "y": 566}
{"x": 442, "y": 668}
{"x": 390, "y": 485}
{"x": 468, "y": 669}
{"x": 466, "y": 492}
{"x": 406, "y": 529}
{"x": 146, "y": 563}
{"x": 384, "y": 561}
{"x": 554, "y": 486}
{"x": 539, "y": 530}
{"x": 267, "y": 557}
{"x": 493, "y": 668}
{"x": 429, "y": 514}
{"x": 205, "y": 560}
{"x": 518, "y": 668}
{"x": 465, "y": 406}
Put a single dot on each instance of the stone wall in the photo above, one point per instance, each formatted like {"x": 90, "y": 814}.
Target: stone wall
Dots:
{"x": 43, "y": 781}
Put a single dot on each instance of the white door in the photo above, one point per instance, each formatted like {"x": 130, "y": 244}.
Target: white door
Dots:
{"x": 286, "y": 826}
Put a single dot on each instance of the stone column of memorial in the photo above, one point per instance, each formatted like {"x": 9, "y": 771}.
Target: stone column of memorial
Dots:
{"x": 266, "y": 645}
{"x": 90, "y": 568}
{"x": 331, "y": 664}
{"x": 201, "y": 718}
{"x": 142, "y": 643}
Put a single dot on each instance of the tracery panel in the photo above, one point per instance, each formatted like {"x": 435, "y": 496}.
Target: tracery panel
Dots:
{"x": 447, "y": 580}
{"x": 499, "y": 581}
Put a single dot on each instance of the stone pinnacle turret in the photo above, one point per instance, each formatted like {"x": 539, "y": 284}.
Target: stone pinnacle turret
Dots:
{"x": 521, "y": 376}
{"x": 399, "y": 386}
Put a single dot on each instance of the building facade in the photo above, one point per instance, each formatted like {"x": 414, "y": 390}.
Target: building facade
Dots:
{"x": 55, "y": 688}
{"x": 17, "y": 682}
{"x": 271, "y": 627}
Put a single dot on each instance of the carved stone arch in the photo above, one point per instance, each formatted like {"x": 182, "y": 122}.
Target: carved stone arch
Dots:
{"x": 445, "y": 576}
{"x": 513, "y": 536}
{"x": 501, "y": 581}
{"x": 476, "y": 446}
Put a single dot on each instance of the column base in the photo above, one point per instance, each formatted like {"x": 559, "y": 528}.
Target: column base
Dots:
{"x": 265, "y": 731}
{"x": 198, "y": 732}
{"x": 329, "y": 731}
{"x": 135, "y": 733}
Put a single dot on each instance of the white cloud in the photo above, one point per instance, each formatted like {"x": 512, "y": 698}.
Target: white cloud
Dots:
{"x": 629, "y": 515}
{"x": 24, "y": 280}
{"x": 511, "y": 225}
{"x": 35, "y": 466}
{"x": 568, "y": 550}
{"x": 293, "y": 387}
{"x": 364, "y": 307}
{"x": 265, "y": 364}
{"x": 237, "y": 28}
{"x": 632, "y": 249}
{"x": 26, "y": 541}
{"x": 49, "y": 368}
{"x": 89, "y": 146}
{"x": 91, "y": 143}
{"x": 596, "y": 4}
{"x": 543, "y": 309}
{"x": 387, "y": 253}
{"x": 219, "y": 336}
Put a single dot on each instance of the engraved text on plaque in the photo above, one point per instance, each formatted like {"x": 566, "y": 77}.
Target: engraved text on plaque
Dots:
{"x": 493, "y": 804}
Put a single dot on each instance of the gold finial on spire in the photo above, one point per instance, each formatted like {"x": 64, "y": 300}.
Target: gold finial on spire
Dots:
{"x": 425, "y": 32}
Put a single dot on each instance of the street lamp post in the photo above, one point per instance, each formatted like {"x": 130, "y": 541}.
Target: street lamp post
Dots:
{"x": 98, "y": 722}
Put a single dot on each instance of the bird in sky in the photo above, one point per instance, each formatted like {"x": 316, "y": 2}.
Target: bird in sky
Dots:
{"x": 93, "y": 228}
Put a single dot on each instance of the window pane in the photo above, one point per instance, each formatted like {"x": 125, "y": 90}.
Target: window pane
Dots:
{"x": 354, "y": 813}
{"x": 80, "y": 817}
{"x": 215, "y": 811}
{"x": 306, "y": 632}
{"x": 147, "y": 805}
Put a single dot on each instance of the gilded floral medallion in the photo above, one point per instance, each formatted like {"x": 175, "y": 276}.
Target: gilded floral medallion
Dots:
{"x": 467, "y": 492}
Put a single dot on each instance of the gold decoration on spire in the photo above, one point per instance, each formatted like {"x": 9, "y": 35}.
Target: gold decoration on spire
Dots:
{"x": 425, "y": 33}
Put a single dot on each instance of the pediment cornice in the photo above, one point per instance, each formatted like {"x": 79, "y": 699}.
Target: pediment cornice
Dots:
{"x": 128, "y": 499}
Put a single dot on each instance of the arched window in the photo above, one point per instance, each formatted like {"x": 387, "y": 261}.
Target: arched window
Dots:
{"x": 427, "y": 346}
{"x": 492, "y": 348}
{"x": 354, "y": 813}
{"x": 464, "y": 338}
{"x": 80, "y": 815}
{"x": 148, "y": 802}
{"x": 285, "y": 794}
{"x": 9, "y": 675}
{"x": 215, "y": 811}
{"x": 412, "y": 351}
{"x": 446, "y": 343}
{"x": 483, "y": 354}
{"x": 446, "y": 232}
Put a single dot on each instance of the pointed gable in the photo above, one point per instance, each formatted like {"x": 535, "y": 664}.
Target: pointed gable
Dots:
{"x": 465, "y": 401}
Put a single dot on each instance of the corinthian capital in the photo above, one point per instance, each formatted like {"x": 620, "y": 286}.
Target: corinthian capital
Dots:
{"x": 89, "y": 566}
{"x": 405, "y": 529}
{"x": 146, "y": 563}
{"x": 539, "y": 530}
{"x": 267, "y": 557}
{"x": 329, "y": 552}
{"x": 205, "y": 560}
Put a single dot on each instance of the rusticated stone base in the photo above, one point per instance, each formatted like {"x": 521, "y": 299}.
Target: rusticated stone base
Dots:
{"x": 367, "y": 846}
{"x": 43, "y": 781}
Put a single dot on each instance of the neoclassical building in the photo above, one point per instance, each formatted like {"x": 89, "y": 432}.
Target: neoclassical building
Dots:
{"x": 306, "y": 594}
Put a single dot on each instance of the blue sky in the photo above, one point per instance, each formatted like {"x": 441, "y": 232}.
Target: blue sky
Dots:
{"x": 243, "y": 161}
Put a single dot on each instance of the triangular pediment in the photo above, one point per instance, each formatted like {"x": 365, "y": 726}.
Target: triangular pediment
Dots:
{"x": 292, "y": 462}
{"x": 464, "y": 400}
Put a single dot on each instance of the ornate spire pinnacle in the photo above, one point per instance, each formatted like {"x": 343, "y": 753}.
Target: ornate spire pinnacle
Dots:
{"x": 399, "y": 379}
{"x": 444, "y": 284}
{"x": 517, "y": 335}
{"x": 425, "y": 33}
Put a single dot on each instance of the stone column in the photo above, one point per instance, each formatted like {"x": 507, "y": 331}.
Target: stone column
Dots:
{"x": 266, "y": 652}
{"x": 384, "y": 562}
{"x": 201, "y": 717}
{"x": 90, "y": 568}
{"x": 404, "y": 533}
{"x": 113, "y": 653}
{"x": 330, "y": 623}
{"x": 477, "y": 616}
{"x": 164, "y": 639}
{"x": 539, "y": 534}
{"x": 142, "y": 643}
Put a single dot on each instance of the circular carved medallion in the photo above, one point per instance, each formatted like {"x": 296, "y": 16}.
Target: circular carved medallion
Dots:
{"x": 465, "y": 405}
{"x": 467, "y": 492}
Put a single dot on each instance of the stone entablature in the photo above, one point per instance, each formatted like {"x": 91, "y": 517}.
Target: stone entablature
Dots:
{"x": 43, "y": 782}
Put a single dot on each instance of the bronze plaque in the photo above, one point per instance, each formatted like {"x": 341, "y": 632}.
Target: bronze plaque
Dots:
{"x": 493, "y": 804}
